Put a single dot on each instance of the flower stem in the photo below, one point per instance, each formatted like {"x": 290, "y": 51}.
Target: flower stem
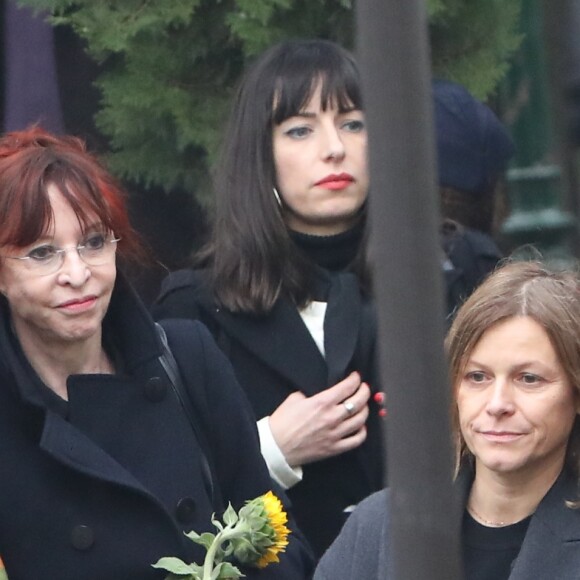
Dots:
{"x": 208, "y": 563}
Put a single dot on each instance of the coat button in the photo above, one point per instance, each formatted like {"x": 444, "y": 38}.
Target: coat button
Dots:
{"x": 185, "y": 510}
{"x": 155, "y": 389}
{"x": 82, "y": 537}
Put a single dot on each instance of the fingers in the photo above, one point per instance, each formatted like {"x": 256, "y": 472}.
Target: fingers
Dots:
{"x": 358, "y": 400}
{"x": 294, "y": 398}
{"x": 342, "y": 390}
{"x": 352, "y": 431}
{"x": 352, "y": 423}
{"x": 308, "y": 429}
{"x": 349, "y": 433}
{"x": 351, "y": 441}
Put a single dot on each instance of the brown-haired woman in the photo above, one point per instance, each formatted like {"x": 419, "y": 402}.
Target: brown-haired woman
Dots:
{"x": 514, "y": 355}
{"x": 101, "y": 470}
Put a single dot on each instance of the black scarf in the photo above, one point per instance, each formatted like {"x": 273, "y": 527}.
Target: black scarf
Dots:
{"x": 333, "y": 253}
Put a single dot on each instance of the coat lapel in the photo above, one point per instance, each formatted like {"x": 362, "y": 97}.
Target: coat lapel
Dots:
{"x": 281, "y": 341}
{"x": 70, "y": 447}
{"x": 551, "y": 548}
{"x": 341, "y": 325}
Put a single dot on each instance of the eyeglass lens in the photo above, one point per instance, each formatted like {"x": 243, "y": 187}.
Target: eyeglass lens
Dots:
{"x": 95, "y": 251}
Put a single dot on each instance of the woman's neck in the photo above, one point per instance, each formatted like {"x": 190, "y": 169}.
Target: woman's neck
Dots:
{"x": 498, "y": 499}
{"x": 54, "y": 361}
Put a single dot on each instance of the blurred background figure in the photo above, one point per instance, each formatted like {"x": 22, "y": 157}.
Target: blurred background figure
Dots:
{"x": 473, "y": 150}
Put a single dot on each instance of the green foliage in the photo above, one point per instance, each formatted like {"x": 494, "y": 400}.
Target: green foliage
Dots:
{"x": 169, "y": 66}
{"x": 258, "y": 24}
{"x": 471, "y": 41}
{"x": 178, "y": 569}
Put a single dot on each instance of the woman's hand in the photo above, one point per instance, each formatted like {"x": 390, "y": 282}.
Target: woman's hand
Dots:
{"x": 308, "y": 429}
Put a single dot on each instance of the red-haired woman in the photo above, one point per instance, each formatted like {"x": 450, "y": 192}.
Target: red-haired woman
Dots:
{"x": 102, "y": 472}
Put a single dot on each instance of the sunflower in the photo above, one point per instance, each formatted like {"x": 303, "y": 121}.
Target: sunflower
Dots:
{"x": 254, "y": 536}
{"x": 262, "y": 532}
{"x": 276, "y": 522}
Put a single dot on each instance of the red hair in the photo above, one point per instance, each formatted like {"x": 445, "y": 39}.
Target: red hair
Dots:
{"x": 33, "y": 159}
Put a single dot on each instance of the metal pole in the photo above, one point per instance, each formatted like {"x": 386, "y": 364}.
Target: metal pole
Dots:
{"x": 394, "y": 58}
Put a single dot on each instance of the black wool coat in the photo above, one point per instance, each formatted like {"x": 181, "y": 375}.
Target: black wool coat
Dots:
{"x": 274, "y": 355}
{"x": 103, "y": 486}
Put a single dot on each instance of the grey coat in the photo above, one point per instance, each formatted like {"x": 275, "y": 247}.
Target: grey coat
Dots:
{"x": 551, "y": 547}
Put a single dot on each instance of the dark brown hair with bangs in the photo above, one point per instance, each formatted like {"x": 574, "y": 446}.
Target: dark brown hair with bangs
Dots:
{"x": 250, "y": 256}
{"x": 33, "y": 159}
{"x": 314, "y": 63}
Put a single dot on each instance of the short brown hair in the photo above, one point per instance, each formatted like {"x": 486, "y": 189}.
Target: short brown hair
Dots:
{"x": 551, "y": 298}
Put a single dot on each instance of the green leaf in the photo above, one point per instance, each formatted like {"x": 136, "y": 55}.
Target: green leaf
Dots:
{"x": 226, "y": 571}
{"x": 217, "y": 523}
{"x": 230, "y": 516}
{"x": 245, "y": 551}
{"x": 193, "y": 535}
{"x": 175, "y": 566}
{"x": 206, "y": 539}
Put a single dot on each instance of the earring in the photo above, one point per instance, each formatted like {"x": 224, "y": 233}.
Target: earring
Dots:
{"x": 277, "y": 196}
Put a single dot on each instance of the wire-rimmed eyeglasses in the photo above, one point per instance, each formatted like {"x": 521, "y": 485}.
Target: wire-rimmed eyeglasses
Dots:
{"x": 96, "y": 250}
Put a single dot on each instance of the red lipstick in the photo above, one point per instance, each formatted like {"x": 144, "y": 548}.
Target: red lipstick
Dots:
{"x": 334, "y": 181}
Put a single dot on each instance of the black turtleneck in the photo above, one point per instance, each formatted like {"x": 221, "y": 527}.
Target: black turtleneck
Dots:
{"x": 333, "y": 253}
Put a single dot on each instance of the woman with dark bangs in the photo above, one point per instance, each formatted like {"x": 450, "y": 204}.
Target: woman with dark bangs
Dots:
{"x": 283, "y": 285}
{"x": 102, "y": 472}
